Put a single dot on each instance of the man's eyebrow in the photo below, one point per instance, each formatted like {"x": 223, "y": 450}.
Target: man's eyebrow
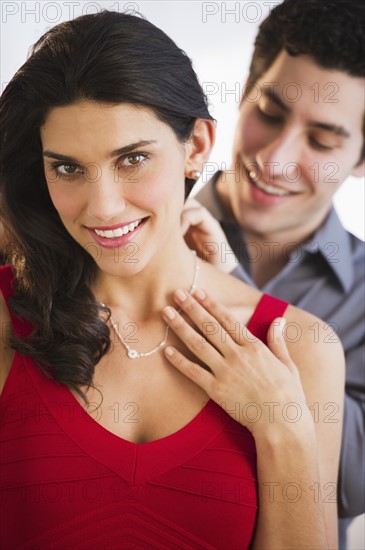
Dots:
{"x": 116, "y": 153}
{"x": 338, "y": 130}
{"x": 273, "y": 96}
{"x": 334, "y": 128}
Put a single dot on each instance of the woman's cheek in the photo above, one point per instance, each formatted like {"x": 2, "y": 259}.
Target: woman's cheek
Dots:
{"x": 162, "y": 188}
{"x": 67, "y": 203}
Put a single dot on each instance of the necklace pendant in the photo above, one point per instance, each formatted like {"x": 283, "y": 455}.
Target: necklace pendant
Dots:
{"x": 132, "y": 354}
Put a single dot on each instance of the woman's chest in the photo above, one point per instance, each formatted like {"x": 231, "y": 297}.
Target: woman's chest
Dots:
{"x": 142, "y": 401}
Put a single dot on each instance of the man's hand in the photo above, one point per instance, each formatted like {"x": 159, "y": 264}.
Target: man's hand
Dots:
{"x": 203, "y": 233}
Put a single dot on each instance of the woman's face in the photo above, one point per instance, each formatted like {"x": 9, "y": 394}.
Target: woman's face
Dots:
{"x": 115, "y": 174}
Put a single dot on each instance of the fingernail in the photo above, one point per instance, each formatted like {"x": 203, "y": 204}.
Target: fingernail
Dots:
{"x": 200, "y": 294}
{"x": 169, "y": 312}
{"x": 181, "y": 295}
{"x": 169, "y": 351}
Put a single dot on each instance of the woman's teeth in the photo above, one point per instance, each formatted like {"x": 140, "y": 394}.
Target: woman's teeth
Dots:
{"x": 269, "y": 189}
{"x": 114, "y": 233}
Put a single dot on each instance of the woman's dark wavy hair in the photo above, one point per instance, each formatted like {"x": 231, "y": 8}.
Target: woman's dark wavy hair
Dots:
{"x": 107, "y": 57}
{"x": 330, "y": 31}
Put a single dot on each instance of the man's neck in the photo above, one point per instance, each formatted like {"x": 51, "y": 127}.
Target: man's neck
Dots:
{"x": 277, "y": 249}
{"x": 270, "y": 254}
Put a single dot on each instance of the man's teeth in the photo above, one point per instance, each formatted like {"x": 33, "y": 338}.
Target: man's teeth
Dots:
{"x": 114, "y": 233}
{"x": 267, "y": 188}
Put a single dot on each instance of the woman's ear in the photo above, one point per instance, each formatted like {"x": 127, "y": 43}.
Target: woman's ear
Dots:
{"x": 199, "y": 146}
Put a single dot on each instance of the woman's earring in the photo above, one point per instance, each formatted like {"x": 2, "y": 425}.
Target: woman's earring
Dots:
{"x": 195, "y": 174}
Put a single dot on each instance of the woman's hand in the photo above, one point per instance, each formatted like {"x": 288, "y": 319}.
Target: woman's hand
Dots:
{"x": 259, "y": 387}
{"x": 203, "y": 233}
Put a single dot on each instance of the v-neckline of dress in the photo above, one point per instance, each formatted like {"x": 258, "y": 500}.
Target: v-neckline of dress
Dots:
{"x": 135, "y": 462}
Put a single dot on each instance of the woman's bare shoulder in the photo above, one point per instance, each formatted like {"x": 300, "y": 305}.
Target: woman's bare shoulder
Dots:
{"x": 308, "y": 330}
{"x": 315, "y": 348}
{"x": 229, "y": 290}
{"x": 310, "y": 340}
{"x": 6, "y": 352}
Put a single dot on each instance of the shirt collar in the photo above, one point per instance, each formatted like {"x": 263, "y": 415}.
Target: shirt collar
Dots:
{"x": 208, "y": 196}
{"x": 331, "y": 240}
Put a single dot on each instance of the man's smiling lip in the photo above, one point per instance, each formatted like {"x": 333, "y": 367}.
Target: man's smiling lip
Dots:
{"x": 252, "y": 178}
{"x": 264, "y": 199}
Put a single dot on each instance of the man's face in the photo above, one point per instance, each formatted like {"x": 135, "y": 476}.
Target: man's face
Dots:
{"x": 298, "y": 137}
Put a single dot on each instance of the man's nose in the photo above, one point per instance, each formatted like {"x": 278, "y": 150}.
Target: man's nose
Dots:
{"x": 280, "y": 158}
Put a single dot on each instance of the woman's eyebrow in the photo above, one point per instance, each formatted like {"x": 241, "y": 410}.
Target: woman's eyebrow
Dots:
{"x": 117, "y": 152}
{"x": 131, "y": 147}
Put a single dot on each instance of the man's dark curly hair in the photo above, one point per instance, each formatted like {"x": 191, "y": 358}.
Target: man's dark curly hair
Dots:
{"x": 330, "y": 31}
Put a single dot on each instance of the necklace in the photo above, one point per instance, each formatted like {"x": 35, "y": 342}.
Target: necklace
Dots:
{"x": 134, "y": 354}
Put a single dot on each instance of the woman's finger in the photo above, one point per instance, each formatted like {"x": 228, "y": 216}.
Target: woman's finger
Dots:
{"x": 191, "y": 370}
{"x": 231, "y": 326}
{"x": 193, "y": 340}
{"x": 213, "y": 329}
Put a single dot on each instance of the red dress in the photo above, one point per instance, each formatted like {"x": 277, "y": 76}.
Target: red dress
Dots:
{"x": 68, "y": 483}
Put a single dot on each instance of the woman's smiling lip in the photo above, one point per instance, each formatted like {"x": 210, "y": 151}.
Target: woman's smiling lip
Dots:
{"x": 111, "y": 241}
{"x": 112, "y": 227}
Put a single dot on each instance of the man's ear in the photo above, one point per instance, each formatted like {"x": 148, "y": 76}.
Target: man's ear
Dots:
{"x": 359, "y": 170}
{"x": 199, "y": 146}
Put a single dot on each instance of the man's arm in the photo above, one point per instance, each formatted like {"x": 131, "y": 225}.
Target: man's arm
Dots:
{"x": 352, "y": 465}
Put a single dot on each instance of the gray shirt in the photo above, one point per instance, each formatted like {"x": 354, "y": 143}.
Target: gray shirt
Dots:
{"x": 325, "y": 276}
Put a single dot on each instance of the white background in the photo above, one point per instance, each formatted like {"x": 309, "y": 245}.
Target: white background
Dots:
{"x": 218, "y": 37}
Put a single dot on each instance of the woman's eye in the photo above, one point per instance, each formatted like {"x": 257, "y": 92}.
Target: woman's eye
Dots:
{"x": 65, "y": 170}
{"x": 134, "y": 159}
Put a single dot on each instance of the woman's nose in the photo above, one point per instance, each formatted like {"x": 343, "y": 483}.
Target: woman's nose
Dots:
{"x": 105, "y": 198}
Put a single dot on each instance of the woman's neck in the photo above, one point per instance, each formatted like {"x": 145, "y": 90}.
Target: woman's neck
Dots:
{"x": 142, "y": 295}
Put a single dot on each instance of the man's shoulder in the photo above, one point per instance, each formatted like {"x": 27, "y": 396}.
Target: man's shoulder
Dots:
{"x": 357, "y": 255}
{"x": 343, "y": 252}
{"x": 357, "y": 247}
